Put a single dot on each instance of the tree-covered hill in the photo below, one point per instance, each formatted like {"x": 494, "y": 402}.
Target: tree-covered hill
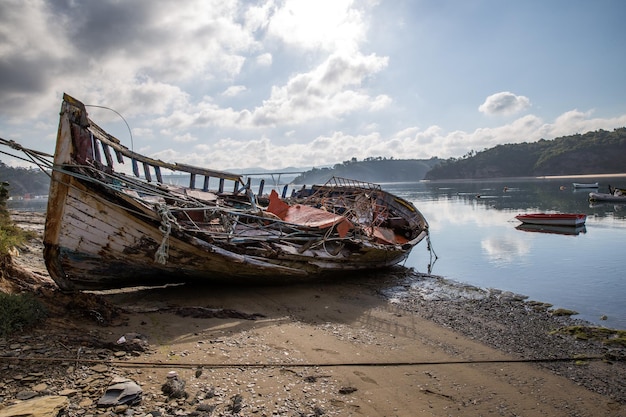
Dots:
{"x": 599, "y": 152}
{"x": 371, "y": 170}
{"x": 23, "y": 181}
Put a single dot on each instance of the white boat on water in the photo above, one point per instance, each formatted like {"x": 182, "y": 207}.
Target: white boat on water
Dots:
{"x": 585, "y": 185}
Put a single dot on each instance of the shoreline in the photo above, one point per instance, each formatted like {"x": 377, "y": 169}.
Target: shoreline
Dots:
{"x": 533, "y": 178}
{"x": 372, "y": 345}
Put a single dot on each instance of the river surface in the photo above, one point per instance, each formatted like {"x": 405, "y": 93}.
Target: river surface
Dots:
{"x": 475, "y": 236}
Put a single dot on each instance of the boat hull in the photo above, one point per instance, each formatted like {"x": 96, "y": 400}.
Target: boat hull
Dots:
{"x": 585, "y": 185}
{"x": 106, "y": 230}
{"x": 607, "y": 197}
{"x": 106, "y": 247}
{"x": 555, "y": 219}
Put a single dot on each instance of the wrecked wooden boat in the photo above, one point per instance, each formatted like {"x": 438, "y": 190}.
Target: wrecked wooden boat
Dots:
{"x": 107, "y": 228}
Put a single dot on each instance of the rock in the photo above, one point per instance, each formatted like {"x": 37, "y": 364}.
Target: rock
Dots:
{"x": 40, "y": 387}
{"x": 347, "y": 390}
{"x": 122, "y": 392}
{"x": 26, "y": 395}
{"x": 174, "y": 387}
{"x": 236, "y": 404}
{"x": 47, "y": 406}
{"x": 100, "y": 368}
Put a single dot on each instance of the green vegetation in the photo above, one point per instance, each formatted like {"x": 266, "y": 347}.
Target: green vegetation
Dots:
{"x": 609, "y": 337}
{"x": 10, "y": 235}
{"x": 19, "y": 312}
{"x": 373, "y": 169}
{"x": 599, "y": 152}
{"x": 563, "y": 312}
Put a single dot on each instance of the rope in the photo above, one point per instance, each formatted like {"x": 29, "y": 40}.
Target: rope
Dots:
{"x": 431, "y": 251}
{"x": 303, "y": 365}
{"x": 166, "y": 227}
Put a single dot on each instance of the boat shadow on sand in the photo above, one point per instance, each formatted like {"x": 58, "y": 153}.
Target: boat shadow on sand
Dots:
{"x": 199, "y": 312}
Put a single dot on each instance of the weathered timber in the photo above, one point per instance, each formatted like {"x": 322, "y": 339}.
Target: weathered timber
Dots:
{"x": 106, "y": 229}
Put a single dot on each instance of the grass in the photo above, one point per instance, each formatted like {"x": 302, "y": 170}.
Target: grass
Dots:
{"x": 10, "y": 235}
{"x": 17, "y": 311}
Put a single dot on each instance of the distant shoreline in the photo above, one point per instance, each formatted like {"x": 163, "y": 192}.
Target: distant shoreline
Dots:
{"x": 544, "y": 177}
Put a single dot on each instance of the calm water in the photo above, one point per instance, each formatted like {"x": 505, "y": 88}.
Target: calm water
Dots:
{"x": 476, "y": 241}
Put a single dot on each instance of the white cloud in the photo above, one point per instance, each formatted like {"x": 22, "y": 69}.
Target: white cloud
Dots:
{"x": 264, "y": 60}
{"x": 186, "y": 138}
{"x": 331, "y": 90}
{"x": 234, "y": 90}
{"x": 505, "y": 103}
{"x": 330, "y": 25}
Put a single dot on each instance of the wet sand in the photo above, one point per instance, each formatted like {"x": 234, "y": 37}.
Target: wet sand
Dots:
{"x": 331, "y": 348}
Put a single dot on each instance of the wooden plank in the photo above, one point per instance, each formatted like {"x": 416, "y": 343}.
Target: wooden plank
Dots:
{"x": 146, "y": 172}
{"x": 96, "y": 151}
{"x": 119, "y": 156}
{"x": 107, "y": 155}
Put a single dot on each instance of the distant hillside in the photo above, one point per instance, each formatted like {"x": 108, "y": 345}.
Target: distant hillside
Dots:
{"x": 24, "y": 181}
{"x": 371, "y": 170}
{"x": 599, "y": 152}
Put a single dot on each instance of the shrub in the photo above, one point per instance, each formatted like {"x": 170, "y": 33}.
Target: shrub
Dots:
{"x": 19, "y": 312}
{"x": 10, "y": 234}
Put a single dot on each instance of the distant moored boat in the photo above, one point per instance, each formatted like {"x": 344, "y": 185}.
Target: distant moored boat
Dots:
{"x": 553, "y": 219}
{"x": 585, "y": 185}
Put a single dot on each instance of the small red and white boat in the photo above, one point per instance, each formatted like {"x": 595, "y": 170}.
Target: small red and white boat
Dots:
{"x": 553, "y": 219}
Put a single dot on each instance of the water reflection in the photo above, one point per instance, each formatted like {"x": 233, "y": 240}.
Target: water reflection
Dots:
{"x": 521, "y": 195}
{"x": 504, "y": 249}
{"x": 478, "y": 241}
{"x": 559, "y": 230}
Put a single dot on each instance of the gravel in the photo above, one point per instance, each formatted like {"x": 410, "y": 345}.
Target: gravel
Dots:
{"x": 526, "y": 329}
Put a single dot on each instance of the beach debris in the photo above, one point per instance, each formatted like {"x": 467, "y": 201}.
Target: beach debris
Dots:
{"x": 133, "y": 342}
{"x": 174, "y": 387}
{"x": 121, "y": 392}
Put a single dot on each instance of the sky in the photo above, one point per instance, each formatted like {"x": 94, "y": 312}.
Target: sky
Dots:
{"x": 233, "y": 84}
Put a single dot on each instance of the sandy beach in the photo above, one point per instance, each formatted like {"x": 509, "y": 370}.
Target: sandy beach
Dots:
{"x": 369, "y": 345}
